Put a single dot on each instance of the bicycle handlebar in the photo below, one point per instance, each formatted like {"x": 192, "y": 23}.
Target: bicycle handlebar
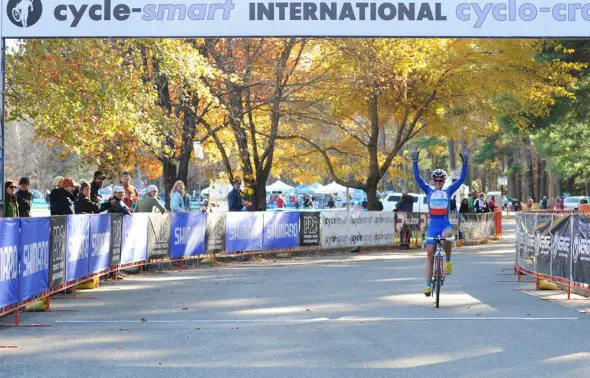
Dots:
{"x": 440, "y": 239}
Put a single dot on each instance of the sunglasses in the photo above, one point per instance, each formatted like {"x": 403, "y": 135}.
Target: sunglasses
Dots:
{"x": 439, "y": 180}
{"x": 12, "y": 187}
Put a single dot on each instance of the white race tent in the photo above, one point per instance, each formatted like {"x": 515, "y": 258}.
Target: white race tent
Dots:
{"x": 332, "y": 188}
{"x": 279, "y": 186}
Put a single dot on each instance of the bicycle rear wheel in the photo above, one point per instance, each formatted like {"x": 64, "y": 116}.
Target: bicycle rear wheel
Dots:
{"x": 437, "y": 281}
{"x": 438, "y": 290}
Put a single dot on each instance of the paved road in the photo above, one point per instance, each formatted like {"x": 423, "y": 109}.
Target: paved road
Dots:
{"x": 329, "y": 317}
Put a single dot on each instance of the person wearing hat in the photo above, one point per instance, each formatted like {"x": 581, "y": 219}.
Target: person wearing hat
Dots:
{"x": 234, "y": 198}
{"x": 115, "y": 204}
{"x": 24, "y": 198}
{"x": 84, "y": 204}
{"x": 95, "y": 186}
{"x": 131, "y": 197}
{"x": 149, "y": 202}
{"x": 62, "y": 199}
{"x": 10, "y": 202}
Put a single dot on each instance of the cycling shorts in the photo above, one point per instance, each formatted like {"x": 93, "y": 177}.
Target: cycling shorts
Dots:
{"x": 436, "y": 227}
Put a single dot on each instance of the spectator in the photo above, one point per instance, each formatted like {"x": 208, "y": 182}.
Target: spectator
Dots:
{"x": 480, "y": 205}
{"x": 205, "y": 206}
{"x": 62, "y": 199}
{"x": 295, "y": 201}
{"x": 365, "y": 204}
{"x": 95, "y": 186}
{"x": 115, "y": 204}
{"x": 54, "y": 191}
{"x": 454, "y": 204}
{"x": 177, "y": 198}
{"x": 187, "y": 202}
{"x": 131, "y": 197}
{"x": 331, "y": 203}
{"x": 308, "y": 202}
{"x": 24, "y": 198}
{"x": 543, "y": 204}
{"x": 471, "y": 201}
{"x": 405, "y": 203}
{"x": 84, "y": 204}
{"x": 149, "y": 202}
{"x": 464, "y": 206}
{"x": 234, "y": 198}
{"x": 492, "y": 204}
{"x": 280, "y": 202}
{"x": 11, "y": 202}
{"x": 529, "y": 204}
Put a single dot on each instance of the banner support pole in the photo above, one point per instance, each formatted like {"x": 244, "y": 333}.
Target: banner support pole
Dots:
{"x": 2, "y": 115}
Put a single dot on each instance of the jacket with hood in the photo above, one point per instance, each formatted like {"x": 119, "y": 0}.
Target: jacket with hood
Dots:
{"x": 84, "y": 205}
{"x": 25, "y": 202}
{"x": 61, "y": 202}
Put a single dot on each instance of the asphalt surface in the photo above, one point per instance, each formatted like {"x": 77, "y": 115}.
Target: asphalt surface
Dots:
{"x": 338, "y": 316}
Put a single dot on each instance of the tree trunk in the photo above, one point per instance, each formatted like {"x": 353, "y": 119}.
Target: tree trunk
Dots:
{"x": 452, "y": 159}
{"x": 542, "y": 178}
{"x": 372, "y": 198}
{"x": 169, "y": 174}
{"x": 259, "y": 200}
{"x": 528, "y": 181}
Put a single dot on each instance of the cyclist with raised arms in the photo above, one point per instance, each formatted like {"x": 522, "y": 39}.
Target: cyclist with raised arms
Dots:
{"x": 438, "y": 208}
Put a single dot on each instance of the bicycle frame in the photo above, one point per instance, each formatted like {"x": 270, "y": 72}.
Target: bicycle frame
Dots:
{"x": 438, "y": 271}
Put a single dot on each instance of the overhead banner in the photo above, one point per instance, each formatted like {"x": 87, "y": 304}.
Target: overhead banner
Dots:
{"x": 57, "y": 252}
{"x": 309, "y": 229}
{"x": 187, "y": 234}
{"x": 335, "y": 229}
{"x": 281, "y": 230}
{"x": 215, "y": 232}
{"x": 243, "y": 231}
{"x": 78, "y": 246}
{"x": 158, "y": 235}
{"x": 100, "y": 243}
{"x": 581, "y": 249}
{"x": 116, "y": 238}
{"x": 9, "y": 235}
{"x": 242, "y": 18}
{"x": 33, "y": 257}
{"x": 134, "y": 244}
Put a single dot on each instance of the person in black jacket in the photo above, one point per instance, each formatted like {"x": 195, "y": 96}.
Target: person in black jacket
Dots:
{"x": 62, "y": 198}
{"x": 115, "y": 204}
{"x": 405, "y": 203}
{"x": 83, "y": 203}
{"x": 24, "y": 198}
{"x": 95, "y": 186}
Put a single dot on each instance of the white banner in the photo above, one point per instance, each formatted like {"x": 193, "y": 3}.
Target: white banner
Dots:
{"x": 335, "y": 229}
{"x": 243, "y": 18}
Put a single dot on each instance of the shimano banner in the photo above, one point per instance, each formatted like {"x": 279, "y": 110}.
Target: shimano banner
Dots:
{"x": 116, "y": 238}
{"x": 33, "y": 257}
{"x": 187, "y": 234}
{"x": 77, "y": 247}
{"x": 134, "y": 243}
{"x": 100, "y": 243}
{"x": 243, "y": 231}
{"x": 309, "y": 229}
{"x": 581, "y": 249}
{"x": 216, "y": 232}
{"x": 243, "y": 18}
{"x": 9, "y": 232}
{"x": 281, "y": 230}
{"x": 57, "y": 252}
{"x": 158, "y": 235}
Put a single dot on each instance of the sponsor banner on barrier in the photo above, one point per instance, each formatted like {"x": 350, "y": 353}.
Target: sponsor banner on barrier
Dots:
{"x": 281, "y": 230}
{"x": 309, "y": 228}
{"x": 116, "y": 238}
{"x": 100, "y": 243}
{"x": 134, "y": 244}
{"x": 543, "y": 244}
{"x": 33, "y": 257}
{"x": 581, "y": 249}
{"x": 335, "y": 229}
{"x": 215, "y": 232}
{"x": 9, "y": 229}
{"x": 384, "y": 228}
{"x": 57, "y": 251}
{"x": 77, "y": 250}
{"x": 187, "y": 234}
{"x": 361, "y": 227}
{"x": 560, "y": 247}
{"x": 158, "y": 236}
{"x": 243, "y": 231}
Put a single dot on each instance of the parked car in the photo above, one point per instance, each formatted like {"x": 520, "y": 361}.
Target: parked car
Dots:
{"x": 391, "y": 199}
{"x": 573, "y": 202}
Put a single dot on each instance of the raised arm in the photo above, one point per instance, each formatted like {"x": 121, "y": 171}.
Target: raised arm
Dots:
{"x": 457, "y": 184}
{"x": 417, "y": 176}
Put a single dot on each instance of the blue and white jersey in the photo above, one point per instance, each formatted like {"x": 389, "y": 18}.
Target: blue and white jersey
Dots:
{"x": 439, "y": 200}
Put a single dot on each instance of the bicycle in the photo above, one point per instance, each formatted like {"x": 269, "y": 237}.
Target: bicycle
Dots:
{"x": 438, "y": 272}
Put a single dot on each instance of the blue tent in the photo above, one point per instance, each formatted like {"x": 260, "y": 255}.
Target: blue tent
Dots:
{"x": 303, "y": 189}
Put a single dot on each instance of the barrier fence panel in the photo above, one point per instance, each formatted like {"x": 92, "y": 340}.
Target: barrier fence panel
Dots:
{"x": 281, "y": 230}
{"x": 560, "y": 247}
{"x": 581, "y": 249}
{"x": 33, "y": 257}
{"x": 243, "y": 231}
{"x": 134, "y": 243}
{"x": 100, "y": 243}
{"x": 57, "y": 252}
{"x": 116, "y": 239}
{"x": 187, "y": 234}
{"x": 309, "y": 229}
{"x": 9, "y": 240}
{"x": 78, "y": 229}
{"x": 335, "y": 229}
{"x": 215, "y": 232}
{"x": 158, "y": 236}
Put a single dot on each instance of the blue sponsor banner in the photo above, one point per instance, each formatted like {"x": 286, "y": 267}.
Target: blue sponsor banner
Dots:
{"x": 77, "y": 247}
{"x": 9, "y": 232}
{"x": 33, "y": 255}
{"x": 281, "y": 230}
{"x": 243, "y": 231}
{"x": 187, "y": 234}
{"x": 100, "y": 243}
{"x": 134, "y": 245}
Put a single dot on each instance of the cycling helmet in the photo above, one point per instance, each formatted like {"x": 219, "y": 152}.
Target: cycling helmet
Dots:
{"x": 439, "y": 174}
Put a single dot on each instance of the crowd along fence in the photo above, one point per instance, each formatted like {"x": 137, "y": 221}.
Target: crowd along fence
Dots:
{"x": 554, "y": 247}
{"x": 43, "y": 256}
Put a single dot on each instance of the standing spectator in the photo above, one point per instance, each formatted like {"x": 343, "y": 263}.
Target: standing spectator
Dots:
{"x": 187, "y": 202}
{"x": 405, "y": 203}
{"x": 10, "y": 203}
{"x": 464, "y": 206}
{"x": 24, "y": 198}
{"x": 131, "y": 197}
{"x": 84, "y": 204}
{"x": 480, "y": 205}
{"x": 54, "y": 192}
{"x": 95, "y": 186}
{"x": 62, "y": 199}
{"x": 234, "y": 198}
{"x": 529, "y": 203}
{"x": 280, "y": 202}
{"x": 308, "y": 202}
{"x": 331, "y": 203}
{"x": 115, "y": 204}
{"x": 492, "y": 204}
{"x": 177, "y": 198}
{"x": 471, "y": 201}
{"x": 295, "y": 201}
{"x": 454, "y": 204}
{"x": 150, "y": 201}
{"x": 543, "y": 203}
